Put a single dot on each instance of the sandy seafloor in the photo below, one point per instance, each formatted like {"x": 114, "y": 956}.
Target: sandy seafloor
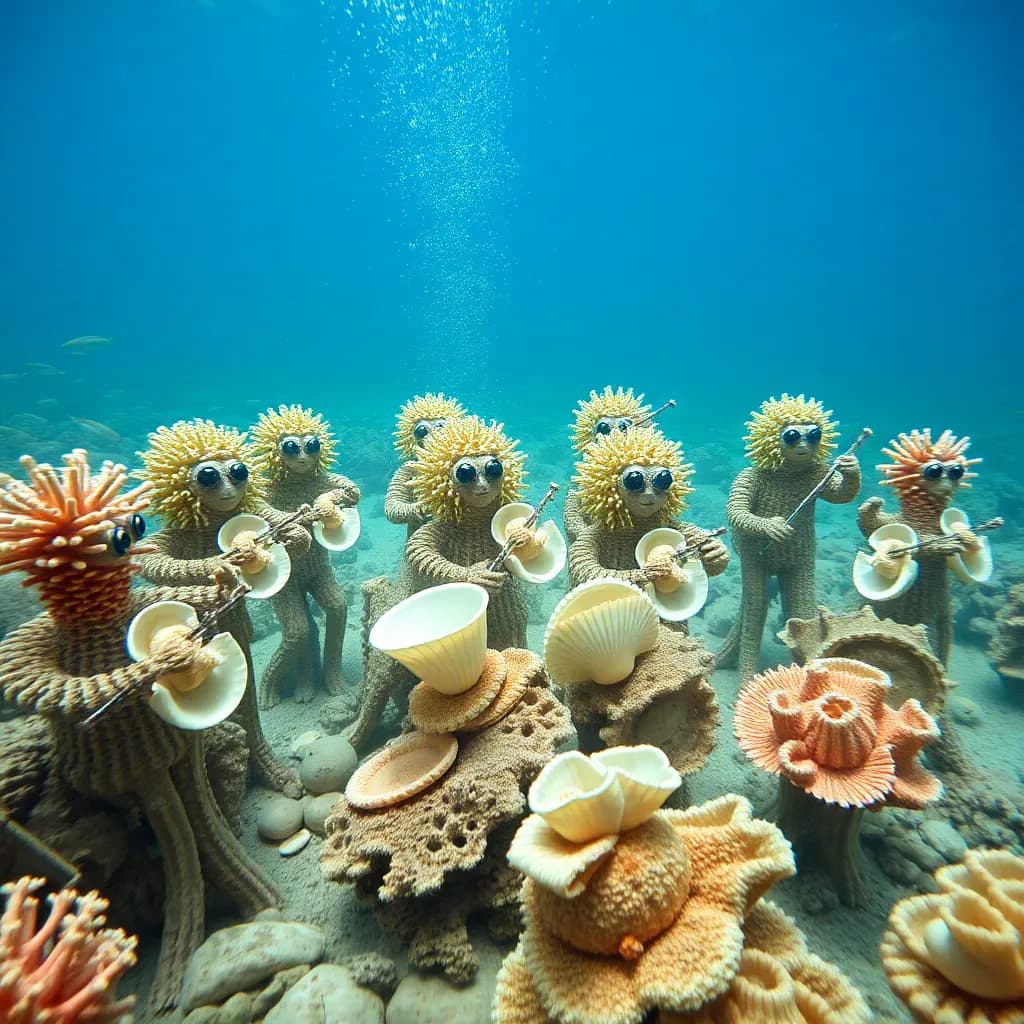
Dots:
{"x": 847, "y": 937}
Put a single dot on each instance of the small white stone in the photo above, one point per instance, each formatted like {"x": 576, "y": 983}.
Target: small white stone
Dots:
{"x": 304, "y": 740}
{"x": 296, "y": 843}
{"x": 278, "y": 818}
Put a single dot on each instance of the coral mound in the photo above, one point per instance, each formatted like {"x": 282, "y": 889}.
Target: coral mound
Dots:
{"x": 1006, "y": 647}
{"x": 66, "y": 969}
{"x": 958, "y": 956}
{"x": 826, "y": 728}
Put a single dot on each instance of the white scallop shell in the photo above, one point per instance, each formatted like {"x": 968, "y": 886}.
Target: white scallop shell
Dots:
{"x": 646, "y": 779}
{"x": 551, "y": 558}
{"x": 579, "y": 798}
{"x": 269, "y": 580}
{"x": 342, "y": 537}
{"x": 869, "y": 583}
{"x": 439, "y": 634}
{"x": 552, "y": 861}
{"x": 597, "y": 630}
{"x": 968, "y": 566}
{"x": 217, "y": 696}
{"x": 688, "y": 598}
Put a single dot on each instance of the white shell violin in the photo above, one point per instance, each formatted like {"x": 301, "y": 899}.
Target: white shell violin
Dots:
{"x": 974, "y": 564}
{"x": 541, "y": 562}
{"x": 339, "y": 536}
{"x": 882, "y": 576}
{"x": 265, "y": 580}
{"x": 680, "y": 597}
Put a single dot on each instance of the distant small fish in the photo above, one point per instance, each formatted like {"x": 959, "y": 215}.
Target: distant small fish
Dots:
{"x": 44, "y": 369}
{"x": 48, "y": 403}
{"x": 99, "y": 429}
{"x": 86, "y": 341}
{"x": 11, "y": 376}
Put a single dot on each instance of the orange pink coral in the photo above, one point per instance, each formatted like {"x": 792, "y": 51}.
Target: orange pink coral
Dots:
{"x": 910, "y": 452}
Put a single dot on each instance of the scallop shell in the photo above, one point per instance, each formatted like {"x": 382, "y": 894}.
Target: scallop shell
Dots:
{"x": 646, "y": 779}
{"x": 272, "y": 577}
{"x": 578, "y": 797}
{"x": 689, "y": 597}
{"x": 968, "y": 566}
{"x": 439, "y": 634}
{"x": 401, "y": 770}
{"x": 551, "y": 558}
{"x": 342, "y": 536}
{"x": 217, "y": 696}
{"x": 552, "y": 861}
{"x": 597, "y": 630}
{"x": 869, "y": 582}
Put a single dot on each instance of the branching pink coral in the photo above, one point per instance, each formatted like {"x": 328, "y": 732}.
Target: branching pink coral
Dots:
{"x": 66, "y": 969}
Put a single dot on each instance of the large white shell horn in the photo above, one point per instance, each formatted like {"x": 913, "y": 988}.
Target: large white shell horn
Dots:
{"x": 690, "y": 595}
{"x": 597, "y": 630}
{"x": 969, "y": 566}
{"x": 543, "y": 565}
{"x": 439, "y": 634}
{"x": 873, "y": 585}
{"x": 216, "y": 696}
{"x": 342, "y": 536}
{"x": 272, "y": 577}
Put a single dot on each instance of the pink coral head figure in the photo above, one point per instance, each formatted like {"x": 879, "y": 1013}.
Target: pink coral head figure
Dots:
{"x": 72, "y": 533}
{"x": 926, "y": 473}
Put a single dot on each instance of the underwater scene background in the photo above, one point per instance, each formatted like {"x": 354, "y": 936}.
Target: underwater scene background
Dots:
{"x": 231, "y": 204}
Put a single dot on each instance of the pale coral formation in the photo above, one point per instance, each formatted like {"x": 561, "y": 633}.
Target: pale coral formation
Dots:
{"x": 1006, "y": 646}
{"x": 957, "y": 957}
{"x": 66, "y": 968}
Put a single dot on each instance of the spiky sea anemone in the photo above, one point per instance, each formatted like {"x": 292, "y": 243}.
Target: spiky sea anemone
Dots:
{"x": 764, "y": 442}
{"x": 911, "y": 452}
{"x": 606, "y": 403}
{"x": 430, "y": 406}
{"x": 291, "y": 420}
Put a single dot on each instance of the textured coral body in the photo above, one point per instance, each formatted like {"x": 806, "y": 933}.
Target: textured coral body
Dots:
{"x": 400, "y": 502}
{"x": 957, "y": 957}
{"x": 1006, "y": 648}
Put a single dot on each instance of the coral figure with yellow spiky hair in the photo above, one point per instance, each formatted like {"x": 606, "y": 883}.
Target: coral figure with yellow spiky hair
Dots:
{"x": 74, "y": 533}
{"x": 417, "y": 420}
{"x": 630, "y": 482}
{"x": 202, "y": 475}
{"x": 789, "y": 443}
{"x": 926, "y": 475}
{"x": 298, "y": 449}
{"x": 595, "y": 417}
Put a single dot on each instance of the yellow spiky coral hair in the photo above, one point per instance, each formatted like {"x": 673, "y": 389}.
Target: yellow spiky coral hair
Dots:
{"x": 764, "y": 442}
{"x": 468, "y": 437}
{"x": 430, "y": 406}
{"x": 172, "y": 453}
{"x": 597, "y": 475}
{"x": 606, "y": 403}
{"x": 291, "y": 419}
{"x": 910, "y": 452}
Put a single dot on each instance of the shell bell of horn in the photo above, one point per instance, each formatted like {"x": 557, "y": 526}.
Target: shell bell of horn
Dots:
{"x": 882, "y": 576}
{"x": 974, "y": 564}
{"x": 689, "y": 594}
{"x": 545, "y": 560}
{"x": 266, "y": 580}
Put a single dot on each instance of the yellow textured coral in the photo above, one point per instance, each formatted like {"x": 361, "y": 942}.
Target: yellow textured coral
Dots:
{"x": 290, "y": 420}
{"x": 430, "y": 406}
{"x": 172, "y": 453}
{"x": 616, "y": 403}
{"x": 466, "y": 438}
{"x": 597, "y": 475}
{"x": 957, "y": 957}
{"x": 764, "y": 442}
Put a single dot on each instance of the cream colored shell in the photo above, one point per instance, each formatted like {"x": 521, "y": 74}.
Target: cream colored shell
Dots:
{"x": 439, "y": 634}
{"x": 541, "y": 567}
{"x": 877, "y": 586}
{"x": 578, "y": 797}
{"x": 597, "y": 630}
{"x": 216, "y": 696}
{"x": 271, "y": 578}
{"x": 553, "y": 861}
{"x": 401, "y": 770}
{"x": 645, "y": 777}
{"x": 689, "y": 596}
{"x": 342, "y": 535}
{"x": 969, "y": 566}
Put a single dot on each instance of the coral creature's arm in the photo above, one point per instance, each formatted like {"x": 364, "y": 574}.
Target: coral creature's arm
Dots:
{"x": 739, "y": 511}
{"x": 296, "y": 539}
{"x": 585, "y": 561}
{"x": 400, "y": 504}
{"x": 34, "y": 679}
{"x": 164, "y": 569}
{"x": 716, "y": 554}
{"x": 940, "y": 546}
{"x": 424, "y": 553}
{"x": 870, "y": 516}
{"x": 343, "y": 491}
{"x": 202, "y": 598}
{"x": 845, "y": 483}
{"x": 572, "y": 515}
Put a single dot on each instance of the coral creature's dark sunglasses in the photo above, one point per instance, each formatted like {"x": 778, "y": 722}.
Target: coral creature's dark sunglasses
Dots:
{"x": 935, "y": 471}
{"x": 465, "y": 472}
{"x": 210, "y": 476}
{"x": 422, "y": 429}
{"x": 634, "y": 480}
{"x": 792, "y": 436}
{"x": 607, "y": 424}
{"x": 291, "y": 446}
{"x": 122, "y": 537}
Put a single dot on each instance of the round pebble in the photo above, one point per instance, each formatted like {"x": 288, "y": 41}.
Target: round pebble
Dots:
{"x": 327, "y": 765}
{"x": 296, "y": 843}
{"x": 305, "y": 740}
{"x": 279, "y": 818}
{"x": 315, "y": 810}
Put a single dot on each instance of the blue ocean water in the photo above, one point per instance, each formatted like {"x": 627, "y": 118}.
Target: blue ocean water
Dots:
{"x": 347, "y": 203}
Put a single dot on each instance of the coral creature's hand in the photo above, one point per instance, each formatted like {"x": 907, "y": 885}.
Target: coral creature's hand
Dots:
{"x": 873, "y": 504}
{"x": 326, "y": 510}
{"x": 942, "y": 548}
{"x": 481, "y": 575}
{"x": 227, "y": 577}
{"x": 847, "y": 464}
{"x": 715, "y": 557}
{"x": 295, "y": 538}
{"x": 777, "y": 529}
{"x": 661, "y": 563}
{"x": 173, "y": 650}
